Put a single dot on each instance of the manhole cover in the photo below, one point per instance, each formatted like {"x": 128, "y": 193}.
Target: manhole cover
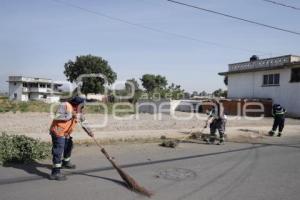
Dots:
{"x": 176, "y": 174}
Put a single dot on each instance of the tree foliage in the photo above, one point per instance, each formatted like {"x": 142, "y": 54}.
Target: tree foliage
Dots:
{"x": 174, "y": 92}
{"x": 194, "y": 93}
{"x": 132, "y": 87}
{"x": 158, "y": 85}
{"x": 89, "y": 64}
{"x": 154, "y": 83}
{"x": 203, "y": 93}
{"x": 220, "y": 93}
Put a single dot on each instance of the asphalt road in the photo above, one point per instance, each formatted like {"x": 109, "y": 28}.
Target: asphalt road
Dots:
{"x": 266, "y": 170}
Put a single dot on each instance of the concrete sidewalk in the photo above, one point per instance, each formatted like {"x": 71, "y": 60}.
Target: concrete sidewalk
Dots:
{"x": 233, "y": 134}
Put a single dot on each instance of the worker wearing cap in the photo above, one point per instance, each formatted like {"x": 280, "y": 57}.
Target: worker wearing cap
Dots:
{"x": 278, "y": 113}
{"x": 66, "y": 117}
{"x": 216, "y": 121}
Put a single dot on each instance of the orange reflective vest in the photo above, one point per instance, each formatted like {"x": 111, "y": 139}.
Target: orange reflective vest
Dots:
{"x": 63, "y": 123}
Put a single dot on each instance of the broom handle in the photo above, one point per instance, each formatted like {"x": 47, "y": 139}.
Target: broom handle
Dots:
{"x": 102, "y": 149}
{"x": 97, "y": 143}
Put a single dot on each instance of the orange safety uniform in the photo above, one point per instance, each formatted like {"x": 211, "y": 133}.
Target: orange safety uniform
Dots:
{"x": 64, "y": 122}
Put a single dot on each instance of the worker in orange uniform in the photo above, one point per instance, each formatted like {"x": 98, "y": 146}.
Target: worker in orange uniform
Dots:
{"x": 66, "y": 117}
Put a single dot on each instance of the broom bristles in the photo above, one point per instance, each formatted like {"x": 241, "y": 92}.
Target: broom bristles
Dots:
{"x": 132, "y": 184}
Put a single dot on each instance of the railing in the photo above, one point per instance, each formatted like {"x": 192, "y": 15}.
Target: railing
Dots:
{"x": 270, "y": 62}
{"x": 40, "y": 90}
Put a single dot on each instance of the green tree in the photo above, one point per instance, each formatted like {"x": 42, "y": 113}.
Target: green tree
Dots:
{"x": 186, "y": 95}
{"x": 132, "y": 86}
{"x": 174, "y": 92}
{"x": 89, "y": 64}
{"x": 194, "y": 93}
{"x": 203, "y": 93}
{"x": 154, "y": 83}
{"x": 220, "y": 93}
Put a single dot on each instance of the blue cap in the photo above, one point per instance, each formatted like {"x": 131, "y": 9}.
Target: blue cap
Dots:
{"x": 77, "y": 100}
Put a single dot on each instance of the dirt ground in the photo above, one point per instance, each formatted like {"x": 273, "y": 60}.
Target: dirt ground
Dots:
{"x": 134, "y": 126}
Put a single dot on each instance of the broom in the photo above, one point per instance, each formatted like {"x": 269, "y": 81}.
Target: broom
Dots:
{"x": 131, "y": 183}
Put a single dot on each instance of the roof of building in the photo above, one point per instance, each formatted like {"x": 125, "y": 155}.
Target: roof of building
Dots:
{"x": 263, "y": 64}
{"x": 32, "y": 80}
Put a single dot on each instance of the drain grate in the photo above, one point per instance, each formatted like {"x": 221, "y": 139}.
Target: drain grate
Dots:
{"x": 176, "y": 174}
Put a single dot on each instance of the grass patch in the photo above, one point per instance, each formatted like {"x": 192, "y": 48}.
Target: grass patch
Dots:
{"x": 38, "y": 106}
{"x": 30, "y": 106}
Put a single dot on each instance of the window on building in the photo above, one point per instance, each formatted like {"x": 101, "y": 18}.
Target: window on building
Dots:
{"x": 24, "y": 84}
{"x": 33, "y": 85}
{"x": 42, "y": 85}
{"x": 295, "y": 75}
{"x": 276, "y": 79}
{"x": 271, "y": 79}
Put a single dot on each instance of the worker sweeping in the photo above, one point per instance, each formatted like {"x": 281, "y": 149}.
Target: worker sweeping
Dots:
{"x": 216, "y": 121}
{"x": 66, "y": 117}
{"x": 278, "y": 113}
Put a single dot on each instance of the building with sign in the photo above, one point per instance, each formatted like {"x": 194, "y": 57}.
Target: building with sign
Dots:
{"x": 276, "y": 78}
{"x": 25, "y": 88}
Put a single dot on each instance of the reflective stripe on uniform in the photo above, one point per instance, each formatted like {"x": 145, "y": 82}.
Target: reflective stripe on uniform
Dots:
{"x": 57, "y": 165}
{"x": 67, "y": 159}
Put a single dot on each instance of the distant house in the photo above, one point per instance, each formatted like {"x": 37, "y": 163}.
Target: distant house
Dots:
{"x": 25, "y": 88}
{"x": 276, "y": 78}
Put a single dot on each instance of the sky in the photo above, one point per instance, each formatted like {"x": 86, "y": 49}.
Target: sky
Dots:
{"x": 186, "y": 45}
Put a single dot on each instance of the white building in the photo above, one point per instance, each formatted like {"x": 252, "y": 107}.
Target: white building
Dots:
{"x": 24, "y": 89}
{"x": 276, "y": 78}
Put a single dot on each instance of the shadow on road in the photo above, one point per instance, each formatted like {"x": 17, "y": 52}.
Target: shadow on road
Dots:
{"x": 31, "y": 168}
{"x": 121, "y": 183}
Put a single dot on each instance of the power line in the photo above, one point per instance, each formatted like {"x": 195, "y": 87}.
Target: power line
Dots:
{"x": 156, "y": 29}
{"x": 233, "y": 17}
{"x": 282, "y": 4}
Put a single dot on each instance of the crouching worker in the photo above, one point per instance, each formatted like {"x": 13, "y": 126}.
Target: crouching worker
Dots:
{"x": 278, "y": 113}
{"x": 216, "y": 121}
{"x": 66, "y": 117}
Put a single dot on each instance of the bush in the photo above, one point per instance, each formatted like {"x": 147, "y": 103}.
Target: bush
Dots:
{"x": 22, "y": 149}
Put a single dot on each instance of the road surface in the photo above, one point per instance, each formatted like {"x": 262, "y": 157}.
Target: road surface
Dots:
{"x": 269, "y": 169}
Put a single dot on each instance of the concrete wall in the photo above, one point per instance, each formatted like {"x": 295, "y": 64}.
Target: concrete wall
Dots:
{"x": 150, "y": 106}
{"x": 15, "y": 89}
{"x": 51, "y": 99}
{"x": 24, "y": 97}
{"x": 168, "y": 106}
{"x": 35, "y": 96}
{"x": 189, "y": 106}
{"x": 249, "y": 85}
